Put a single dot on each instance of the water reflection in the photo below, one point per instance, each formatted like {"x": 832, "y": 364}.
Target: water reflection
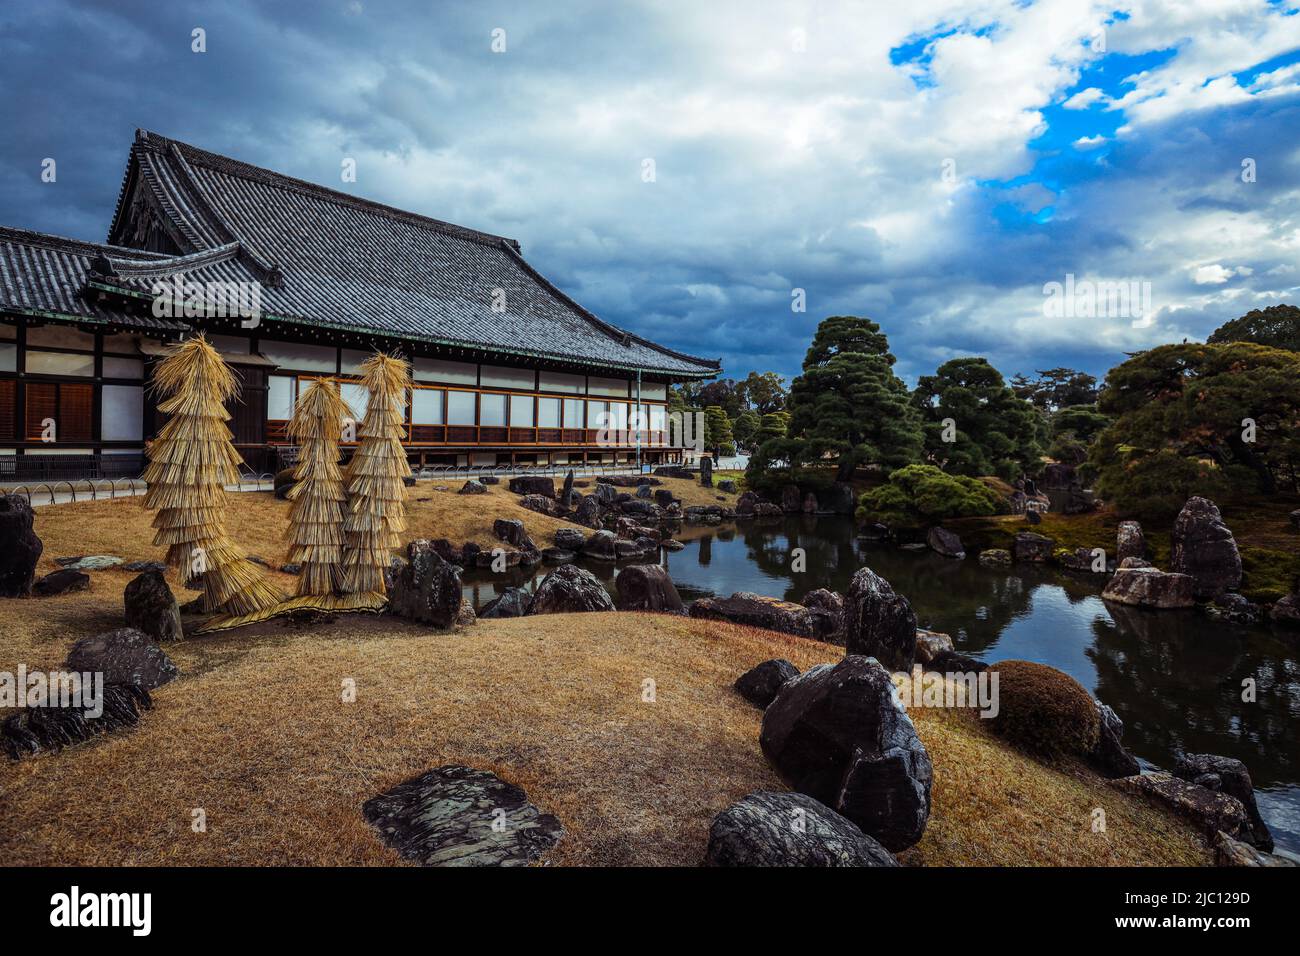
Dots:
{"x": 1175, "y": 677}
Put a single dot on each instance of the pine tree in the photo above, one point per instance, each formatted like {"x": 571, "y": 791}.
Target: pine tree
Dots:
{"x": 319, "y": 500}
{"x": 190, "y": 463}
{"x": 376, "y": 491}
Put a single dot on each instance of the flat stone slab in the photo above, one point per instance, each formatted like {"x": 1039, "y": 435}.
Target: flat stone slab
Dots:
{"x": 459, "y": 816}
{"x": 89, "y": 562}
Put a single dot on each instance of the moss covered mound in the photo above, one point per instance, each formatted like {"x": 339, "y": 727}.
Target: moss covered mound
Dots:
{"x": 1045, "y": 711}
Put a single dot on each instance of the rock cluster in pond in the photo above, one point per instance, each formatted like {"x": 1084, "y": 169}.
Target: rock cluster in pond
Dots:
{"x": 569, "y": 589}
{"x": 33, "y": 730}
{"x": 20, "y": 548}
{"x": 756, "y": 610}
{"x": 1228, "y": 775}
{"x": 123, "y": 656}
{"x": 1149, "y": 587}
{"x": 1203, "y": 548}
{"x": 458, "y": 816}
{"x": 426, "y": 588}
{"x": 62, "y": 581}
{"x": 647, "y": 587}
{"x": 789, "y": 829}
{"x": 150, "y": 607}
{"x": 839, "y": 733}
{"x": 878, "y": 622}
{"x": 760, "y": 684}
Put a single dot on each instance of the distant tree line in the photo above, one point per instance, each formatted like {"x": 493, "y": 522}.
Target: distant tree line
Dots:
{"x": 1220, "y": 418}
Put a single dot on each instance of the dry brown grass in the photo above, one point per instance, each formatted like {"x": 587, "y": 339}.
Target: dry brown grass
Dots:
{"x": 255, "y": 733}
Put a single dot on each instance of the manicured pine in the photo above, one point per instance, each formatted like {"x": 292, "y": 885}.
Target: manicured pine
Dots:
{"x": 190, "y": 463}
{"x": 376, "y": 514}
{"x": 318, "y": 496}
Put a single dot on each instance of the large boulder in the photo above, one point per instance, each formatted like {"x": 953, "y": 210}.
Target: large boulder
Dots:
{"x": 1206, "y": 809}
{"x": 647, "y": 587}
{"x": 427, "y": 588}
{"x": 512, "y": 602}
{"x": 760, "y": 684}
{"x": 1031, "y": 546}
{"x": 606, "y": 493}
{"x": 756, "y": 610}
{"x": 810, "y": 506}
{"x": 789, "y": 829}
{"x": 1203, "y": 547}
{"x": 706, "y": 471}
{"x": 1227, "y": 775}
{"x": 458, "y": 816}
{"x": 827, "y": 609}
{"x": 20, "y": 548}
{"x": 124, "y": 656}
{"x": 473, "y": 487}
{"x": 878, "y": 622}
{"x": 511, "y": 531}
{"x": 839, "y": 733}
{"x": 791, "y": 499}
{"x": 568, "y": 497}
{"x": 1110, "y": 755}
{"x": 1149, "y": 587}
{"x": 533, "y": 485}
{"x": 567, "y": 589}
{"x": 728, "y": 485}
{"x": 1130, "y": 542}
{"x": 945, "y": 542}
{"x": 151, "y": 607}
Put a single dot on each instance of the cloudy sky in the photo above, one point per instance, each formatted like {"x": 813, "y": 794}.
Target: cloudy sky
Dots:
{"x": 929, "y": 164}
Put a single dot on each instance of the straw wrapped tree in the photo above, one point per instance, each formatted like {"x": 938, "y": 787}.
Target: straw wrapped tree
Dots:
{"x": 316, "y": 518}
{"x": 190, "y": 463}
{"x": 376, "y": 490}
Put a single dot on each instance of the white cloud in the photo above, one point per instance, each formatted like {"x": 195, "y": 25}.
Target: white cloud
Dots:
{"x": 1084, "y": 98}
{"x": 1089, "y": 142}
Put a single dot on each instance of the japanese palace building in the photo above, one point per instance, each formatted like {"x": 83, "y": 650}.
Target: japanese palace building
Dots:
{"x": 506, "y": 367}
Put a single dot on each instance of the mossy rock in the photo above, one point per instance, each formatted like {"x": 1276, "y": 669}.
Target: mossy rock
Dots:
{"x": 1044, "y": 711}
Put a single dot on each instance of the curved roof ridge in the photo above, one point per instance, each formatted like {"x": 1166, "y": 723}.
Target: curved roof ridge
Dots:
{"x": 170, "y": 264}
{"x": 266, "y": 269}
{"x": 624, "y": 336}
{"x": 236, "y": 167}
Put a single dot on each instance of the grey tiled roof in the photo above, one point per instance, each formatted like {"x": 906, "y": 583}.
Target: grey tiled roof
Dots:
{"x": 46, "y": 275}
{"x": 330, "y": 259}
